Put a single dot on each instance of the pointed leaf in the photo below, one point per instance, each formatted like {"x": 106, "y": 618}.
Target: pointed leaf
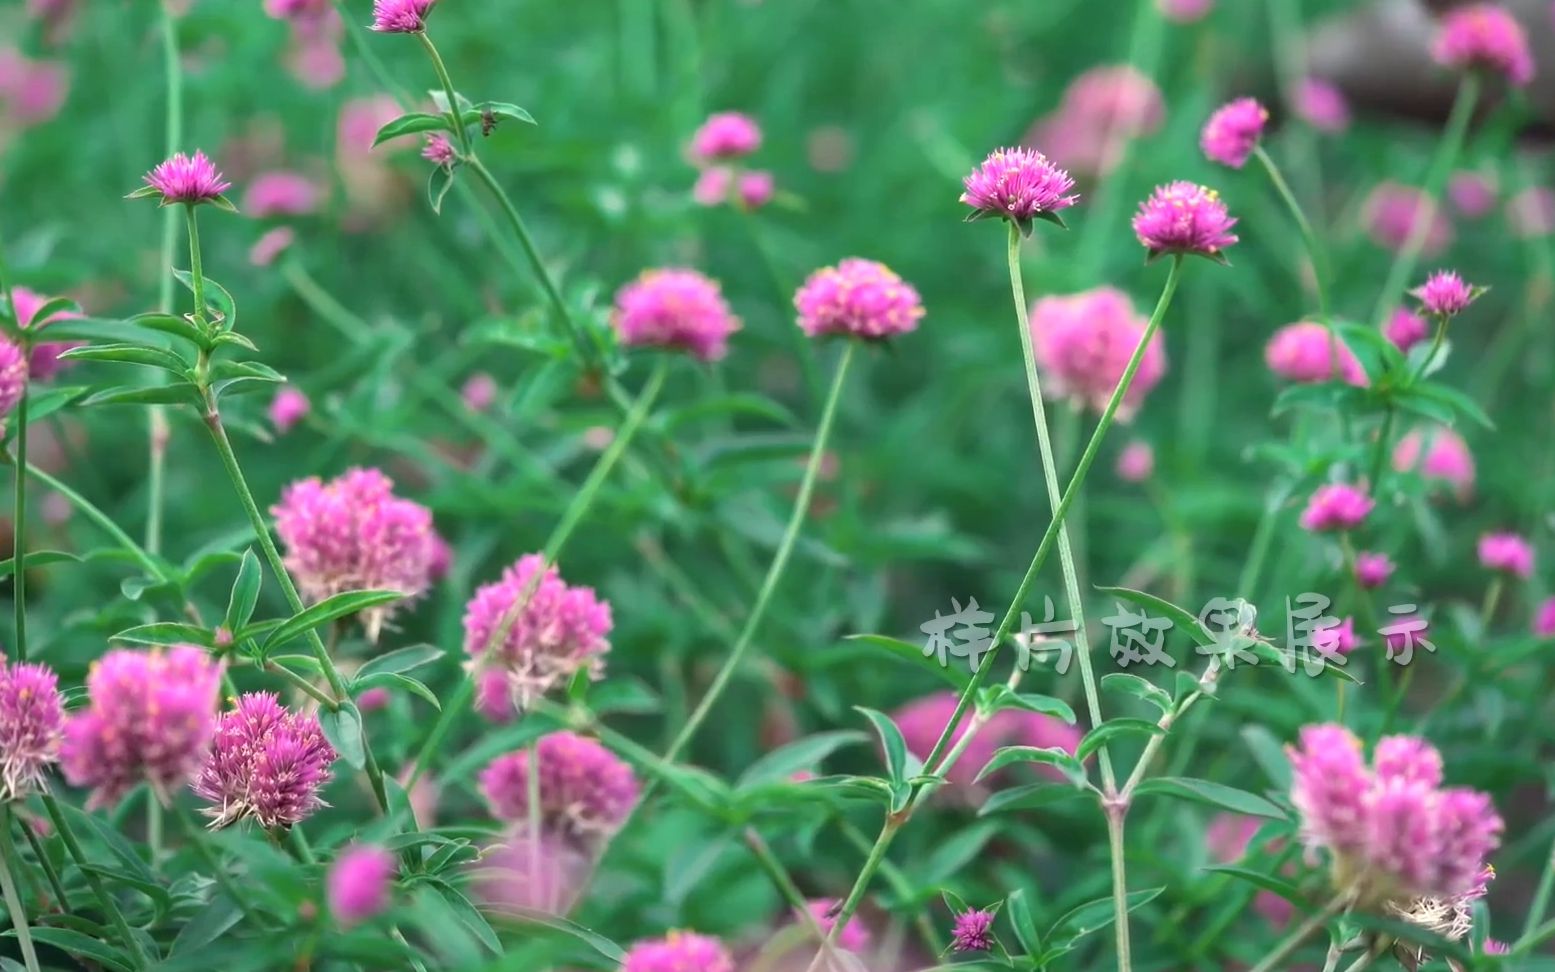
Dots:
{"x": 337, "y": 606}
{"x": 401, "y": 660}
{"x": 343, "y": 729}
{"x": 1212, "y": 793}
{"x": 1112, "y": 729}
{"x": 411, "y": 124}
{"x": 1139, "y": 688}
{"x": 245, "y": 592}
{"x": 891, "y": 739}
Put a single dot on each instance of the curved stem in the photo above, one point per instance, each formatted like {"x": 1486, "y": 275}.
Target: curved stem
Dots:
{"x": 1436, "y": 347}
{"x": 448, "y": 92}
{"x": 44, "y": 863}
{"x": 19, "y": 526}
{"x": 1303, "y": 931}
{"x": 13, "y": 902}
{"x": 1315, "y": 249}
{"x": 158, "y": 430}
{"x": 100, "y": 518}
{"x": 196, "y": 274}
{"x": 110, "y": 907}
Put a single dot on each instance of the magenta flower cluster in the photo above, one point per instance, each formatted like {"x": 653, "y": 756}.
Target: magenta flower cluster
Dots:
{"x": 1406, "y": 329}
{"x": 1233, "y": 131}
{"x": 1509, "y": 553}
{"x": 186, "y": 179}
{"x": 679, "y": 951}
{"x": 530, "y": 632}
{"x": 972, "y": 931}
{"x": 1444, "y": 294}
{"x": 360, "y": 883}
{"x": 586, "y": 791}
{"x": 151, "y": 717}
{"x": 1182, "y": 218}
{"x": 1018, "y": 184}
{"x": 854, "y": 936}
{"x": 1321, "y": 104}
{"x": 726, "y": 135}
{"x": 401, "y": 16}
{"x": 857, "y": 298}
{"x": 1336, "y": 506}
{"x": 32, "y": 722}
{"x": 266, "y": 763}
{"x": 13, "y": 375}
{"x": 1392, "y": 831}
{"x": 675, "y": 308}
{"x": 1306, "y": 352}
{"x": 1083, "y": 342}
{"x": 43, "y": 361}
{"x": 1372, "y": 570}
{"x": 1484, "y": 37}
{"x": 1438, "y": 454}
{"x": 718, "y": 148}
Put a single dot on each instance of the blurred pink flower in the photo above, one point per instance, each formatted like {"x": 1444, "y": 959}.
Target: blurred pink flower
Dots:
{"x": 1372, "y": 570}
{"x": 13, "y": 375}
{"x": 1484, "y": 36}
{"x": 44, "y": 361}
{"x": 1393, "y": 211}
{"x": 1446, "y": 458}
{"x": 585, "y": 790}
{"x": 679, "y": 951}
{"x": 1102, "y": 111}
{"x": 521, "y": 874}
{"x": 288, "y": 407}
{"x": 281, "y": 192}
{"x": 479, "y": 392}
{"x": 1473, "y": 194}
{"x": 31, "y": 92}
{"x": 1136, "y": 462}
{"x": 712, "y": 186}
{"x": 860, "y": 298}
{"x": 1083, "y": 342}
{"x": 755, "y": 188}
{"x": 1336, "y": 506}
{"x": 1531, "y": 213}
{"x": 359, "y": 883}
{"x": 1233, "y": 131}
{"x": 32, "y": 723}
{"x": 725, "y": 135}
{"x": 1406, "y": 329}
{"x": 854, "y": 937}
{"x": 923, "y": 720}
{"x": 271, "y": 244}
{"x": 1306, "y": 351}
{"x": 1321, "y": 104}
{"x": 1544, "y": 618}
{"x": 1508, "y": 553}
{"x": 1184, "y": 11}
{"x": 675, "y": 308}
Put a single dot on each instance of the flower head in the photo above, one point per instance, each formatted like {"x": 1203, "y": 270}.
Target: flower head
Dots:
{"x": 1103, "y": 110}
{"x": 725, "y": 135}
{"x": 1444, "y": 294}
{"x": 679, "y": 951}
{"x": 1336, "y": 506}
{"x": 296, "y": 9}
{"x": 1321, "y": 104}
{"x": 973, "y": 931}
{"x": 281, "y": 193}
{"x": 755, "y": 188}
{"x": 530, "y": 874}
{"x": 854, "y": 936}
{"x": 1544, "y": 618}
{"x": 675, "y": 308}
{"x": 1473, "y": 194}
{"x": 13, "y": 375}
{"x": 353, "y": 533}
{"x": 1406, "y": 329}
{"x": 150, "y": 717}
{"x": 1309, "y": 352}
{"x": 1232, "y": 132}
{"x": 1136, "y": 462}
{"x": 287, "y": 408}
{"x": 1184, "y": 218}
{"x": 271, "y": 244}
{"x": 1394, "y": 213}
{"x": 1018, "y": 184}
{"x": 1484, "y": 36}
{"x": 1507, "y": 552}
{"x": 438, "y": 150}
{"x": 1531, "y": 213}
{"x": 359, "y": 883}
{"x": 924, "y": 719}
{"x": 585, "y": 789}
{"x": 32, "y": 720}
{"x": 401, "y": 16}
{"x": 265, "y": 762}
{"x": 44, "y": 361}
{"x": 712, "y": 186}
{"x": 558, "y": 630}
{"x": 182, "y": 179}
{"x": 860, "y": 298}
{"x": 1493, "y": 946}
{"x": 1083, "y": 342}
{"x": 479, "y": 392}
{"x": 1372, "y": 570}
{"x": 1446, "y": 458}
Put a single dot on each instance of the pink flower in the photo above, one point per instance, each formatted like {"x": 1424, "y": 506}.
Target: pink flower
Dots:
{"x": 1444, "y": 294}
{"x": 359, "y": 883}
{"x": 972, "y": 932}
{"x": 272, "y": 244}
{"x": 1136, "y": 462}
{"x": 281, "y": 193}
{"x": 1018, "y": 184}
{"x": 372, "y": 700}
{"x": 265, "y": 762}
{"x": 585, "y": 789}
{"x": 1227, "y": 839}
{"x": 353, "y": 533}
{"x": 855, "y": 935}
{"x": 1393, "y": 212}
{"x": 675, "y": 308}
{"x": 860, "y": 298}
{"x": 1336, "y": 506}
{"x": 1531, "y": 213}
{"x": 557, "y": 630}
{"x": 1406, "y": 329}
{"x": 755, "y": 188}
{"x": 44, "y": 361}
{"x": 314, "y": 56}
{"x": 31, "y": 92}
{"x": 1484, "y": 36}
{"x": 1473, "y": 194}
{"x": 530, "y": 875}
{"x": 679, "y": 951}
{"x": 289, "y": 407}
{"x": 182, "y": 179}
{"x": 1446, "y": 458}
{"x": 1321, "y": 104}
{"x": 725, "y": 135}
{"x": 479, "y": 392}
{"x": 1493, "y": 947}
{"x": 712, "y": 186}
{"x": 1183, "y": 218}
{"x": 1506, "y": 552}
{"x": 922, "y": 720}
{"x": 32, "y": 721}
{"x": 401, "y": 16}
{"x": 1544, "y": 619}
{"x": 1083, "y": 343}
{"x": 1306, "y": 352}
{"x": 13, "y": 375}
{"x": 439, "y": 150}
{"x": 1102, "y": 111}
{"x": 1372, "y": 570}
{"x": 1232, "y": 132}
{"x": 150, "y": 716}
{"x": 288, "y": 9}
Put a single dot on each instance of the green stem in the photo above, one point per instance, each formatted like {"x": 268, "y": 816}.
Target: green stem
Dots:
{"x": 303, "y": 685}
{"x": 448, "y": 92}
{"x": 1315, "y": 250}
{"x": 153, "y": 827}
{"x": 893, "y": 823}
{"x": 1541, "y": 897}
{"x": 103, "y": 520}
{"x": 785, "y": 884}
{"x": 157, "y": 417}
{"x": 19, "y": 526}
{"x": 110, "y": 907}
{"x": 1436, "y": 346}
{"x": 1379, "y": 455}
{"x": 1303, "y": 931}
{"x": 196, "y": 273}
{"x": 44, "y": 863}
{"x": 13, "y": 902}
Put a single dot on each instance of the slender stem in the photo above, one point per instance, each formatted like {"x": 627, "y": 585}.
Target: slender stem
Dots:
{"x": 196, "y": 273}
{"x": 44, "y": 863}
{"x": 1315, "y": 249}
{"x": 153, "y": 826}
{"x": 199, "y": 838}
{"x": 785, "y": 884}
{"x": 1541, "y": 897}
{"x": 1364, "y": 962}
{"x": 1492, "y": 598}
{"x": 448, "y": 92}
{"x": 100, "y": 518}
{"x": 893, "y": 823}
{"x": 158, "y": 430}
{"x": 9, "y": 861}
{"x": 1303, "y": 931}
{"x": 1379, "y": 452}
{"x": 303, "y": 685}
{"x": 110, "y": 907}
{"x": 532, "y": 799}
{"x": 19, "y": 527}
{"x": 897, "y": 880}
{"x": 452, "y": 709}
{"x": 1115, "y": 813}
{"x": 775, "y": 570}
{"x": 1436, "y": 346}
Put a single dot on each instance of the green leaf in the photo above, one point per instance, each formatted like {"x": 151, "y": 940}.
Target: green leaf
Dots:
{"x": 1139, "y": 688}
{"x": 119, "y": 846}
{"x": 208, "y": 924}
{"x": 470, "y": 918}
{"x": 131, "y": 354}
{"x": 412, "y": 123}
{"x": 952, "y": 854}
{"x": 170, "y": 324}
{"x": 216, "y": 297}
{"x": 50, "y": 308}
{"x": 1095, "y": 915}
{"x": 1212, "y": 793}
{"x": 394, "y": 680}
{"x": 594, "y": 940}
{"x": 37, "y": 558}
{"x": 43, "y": 401}
{"x": 802, "y": 754}
{"x": 245, "y": 592}
{"x": 227, "y": 370}
{"x": 164, "y": 633}
{"x": 400, "y": 660}
{"x": 499, "y": 109}
{"x": 1029, "y": 796}
{"x": 1001, "y": 697}
{"x": 1164, "y": 608}
{"x": 75, "y": 943}
{"x": 1269, "y": 754}
{"x": 913, "y": 654}
{"x": 1267, "y": 882}
{"x": 343, "y": 729}
{"x": 891, "y": 739}
{"x": 1456, "y": 401}
{"x": 336, "y": 606}
{"x": 1048, "y": 756}
{"x": 1113, "y": 728}
{"x": 1019, "y": 910}
{"x": 178, "y": 393}
{"x": 439, "y": 181}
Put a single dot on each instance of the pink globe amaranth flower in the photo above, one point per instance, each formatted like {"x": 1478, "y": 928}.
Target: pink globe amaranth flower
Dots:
{"x": 557, "y": 631}
{"x": 281, "y": 193}
{"x": 972, "y": 932}
{"x": 1372, "y": 570}
{"x": 1336, "y": 506}
{"x": 31, "y": 92}
{"x": 725, "y": 135}
{"x": 854, "y": 936}
{"x": 353, "y": 533}
{"x": 1406, "y": 329}
{"x": 288, "y": 9}
{"x": 150, "y": 717}
{"x": 1321, "y": 104}
{"x": 13, "y": 375}
{"x": 479, "y": 392}
{"x": 1444, "y": 294}
{"x": 1102, "y": 112}
{"x": 1305, "y": 352}
{"x": 1136, "y": 462}
{"x": 755, "y": 188}
{"x": 1509, "y": 553}
{"x": 1446, "y": 458}
{"x": 1392, "y": 213}
{"x": 1083, "y": 343}
{"x": 401, "y": 16}
{"x": 43, "y": 361}
{"x": 270, "y": 245}
{"x": 359, "y": 883}
{"x": 1184, "y": 218}
{"x": 186, "y": 179}
{"x": 1473, "y": 194}
{"x": 1544, "y": 619}
{"x": 1484, "y": 36}
{"x": 586, "y": 790}
{"x": 264, "y": 763}
{"x": 1493, "y": 946}
{"x": 679, "y": 951}
{"x": 1329, "y": 780}
{"x": 439, "y": 150}
{"x": 1233, "y": 131}
{"x": 675, "y": 308}
{"x": 858, "y": 298}
{"x": 373, "y": 700}
{"x": 289, "y": 407}
{"x": 712, "y": 186}
{"x": 1531, "y": 213}
{"x": 314, "y": 57}
{"x": 1018, "y": 184}
{"x": 32, "y": 722}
